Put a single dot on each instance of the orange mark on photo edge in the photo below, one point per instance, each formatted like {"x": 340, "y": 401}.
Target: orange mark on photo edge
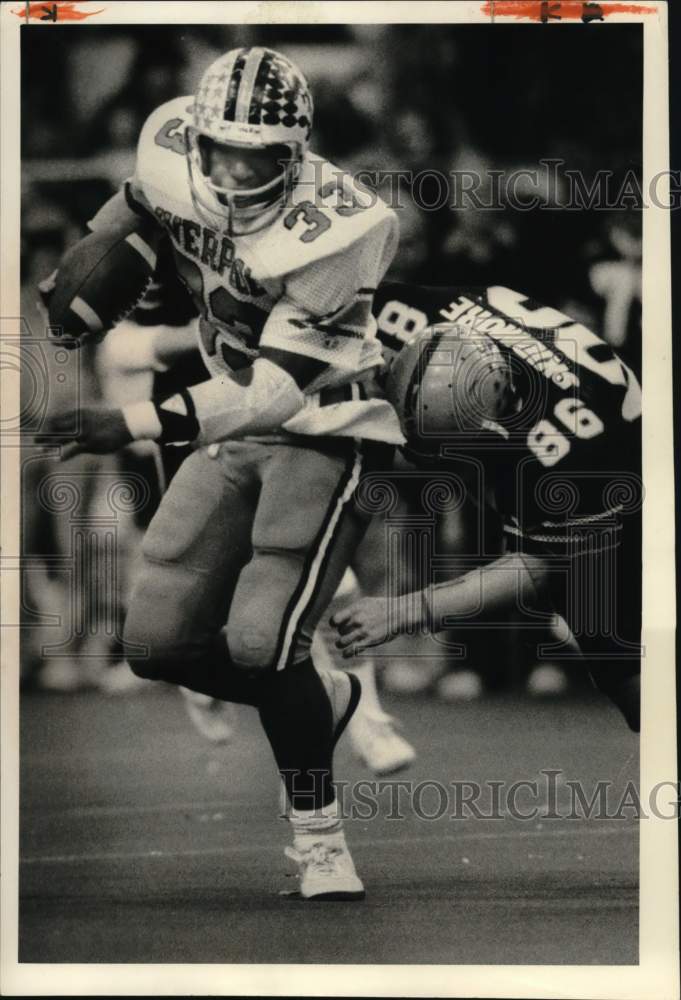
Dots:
{"x": 65, "y": 11}
{"x": 531, "y": 10}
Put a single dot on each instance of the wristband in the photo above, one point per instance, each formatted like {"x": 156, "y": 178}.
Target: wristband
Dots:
{"x": 177, "y": 417}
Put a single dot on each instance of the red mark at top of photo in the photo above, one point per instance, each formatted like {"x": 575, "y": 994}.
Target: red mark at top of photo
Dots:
{"x": 54, "y": 10}
{"x": 560, "y": 10}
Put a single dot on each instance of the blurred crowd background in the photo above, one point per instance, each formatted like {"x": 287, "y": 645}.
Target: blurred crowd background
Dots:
{"x": 387, "y": 98}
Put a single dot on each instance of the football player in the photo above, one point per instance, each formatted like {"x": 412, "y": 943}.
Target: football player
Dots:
{"x": 156, "y": 346}
{"x": 282, "y": 254}
{"x": 545, "y": 418}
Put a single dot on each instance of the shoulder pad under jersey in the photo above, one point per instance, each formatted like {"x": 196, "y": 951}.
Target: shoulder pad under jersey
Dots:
{"x": 328, "y": 213}
{"x": 161, "y": 170}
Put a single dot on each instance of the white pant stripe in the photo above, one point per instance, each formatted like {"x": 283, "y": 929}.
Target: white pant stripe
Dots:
{"x": 315, "y": 567}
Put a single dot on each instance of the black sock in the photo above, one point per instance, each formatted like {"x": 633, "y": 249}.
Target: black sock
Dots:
{"x": 296, "y": 715}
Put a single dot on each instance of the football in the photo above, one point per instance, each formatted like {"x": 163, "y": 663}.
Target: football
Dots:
{"x": 101, "y": 278}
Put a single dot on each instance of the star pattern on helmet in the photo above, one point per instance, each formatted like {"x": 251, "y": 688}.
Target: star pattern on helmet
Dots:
{"x": 207, "y": 112}
{"x": 279, "y": 96}
{"x": 212, "y": 96}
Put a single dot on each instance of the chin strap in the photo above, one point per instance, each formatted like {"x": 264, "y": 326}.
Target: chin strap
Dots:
{"x": 237, "y": 219}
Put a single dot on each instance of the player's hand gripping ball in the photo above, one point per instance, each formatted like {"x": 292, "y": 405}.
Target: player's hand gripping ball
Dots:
{"x": 99, "y": 281}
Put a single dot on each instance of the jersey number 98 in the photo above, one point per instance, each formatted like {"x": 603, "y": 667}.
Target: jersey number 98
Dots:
{"x": 549, "y": 444}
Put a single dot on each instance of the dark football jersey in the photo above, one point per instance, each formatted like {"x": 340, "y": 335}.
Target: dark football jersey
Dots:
{"x": 569, "y": 453}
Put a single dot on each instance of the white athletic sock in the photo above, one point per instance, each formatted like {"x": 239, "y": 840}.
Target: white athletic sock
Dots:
{"x": 313, "y": 824}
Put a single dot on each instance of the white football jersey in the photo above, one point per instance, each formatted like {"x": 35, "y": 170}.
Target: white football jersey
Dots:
{"x": 303, "y": 284}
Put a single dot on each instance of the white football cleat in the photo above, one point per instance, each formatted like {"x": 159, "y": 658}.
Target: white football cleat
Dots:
{"x": 211, "y": 717}
{"x": 326, "y": 869}
{"x": 376, "y": 742}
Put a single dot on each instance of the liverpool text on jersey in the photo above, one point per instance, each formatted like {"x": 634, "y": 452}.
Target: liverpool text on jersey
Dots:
{"x": 214, "y": 251}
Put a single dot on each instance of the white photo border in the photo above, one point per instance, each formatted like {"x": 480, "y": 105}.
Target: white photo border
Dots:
{"x": 657, "y": 974}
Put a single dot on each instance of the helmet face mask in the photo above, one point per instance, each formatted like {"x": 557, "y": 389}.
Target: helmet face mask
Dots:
{"x": 248, "y": 100}
{"x": 239, "y": 209}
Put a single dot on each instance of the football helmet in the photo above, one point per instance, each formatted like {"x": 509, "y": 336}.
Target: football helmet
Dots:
{"x": 249, "y": 99}
{"x": 448, "y": 385}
